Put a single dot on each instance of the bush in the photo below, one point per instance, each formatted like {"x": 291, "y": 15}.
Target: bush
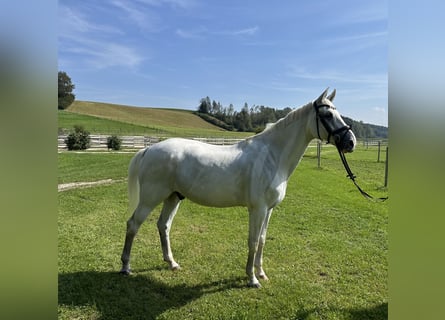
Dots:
{"x": 114, "y": 142}
{"x": 78, "y": 140}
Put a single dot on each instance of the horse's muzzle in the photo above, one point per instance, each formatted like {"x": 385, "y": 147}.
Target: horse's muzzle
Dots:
{"x": 345, "y": 142}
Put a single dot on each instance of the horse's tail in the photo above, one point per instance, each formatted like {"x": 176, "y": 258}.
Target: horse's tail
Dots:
{"x": 133, "y": 180}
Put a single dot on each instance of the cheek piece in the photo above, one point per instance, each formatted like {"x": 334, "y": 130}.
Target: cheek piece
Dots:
{"x": 338, "y": 134}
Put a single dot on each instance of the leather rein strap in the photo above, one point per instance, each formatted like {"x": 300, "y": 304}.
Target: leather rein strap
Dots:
{"x": 352, "y": 177}
{"x": 342, "y": 155}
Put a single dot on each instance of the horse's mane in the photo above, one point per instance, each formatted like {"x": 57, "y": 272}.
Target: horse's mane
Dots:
{"x": 291, "y": 117}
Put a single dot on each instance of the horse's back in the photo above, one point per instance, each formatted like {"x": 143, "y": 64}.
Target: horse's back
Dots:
{"x": 182, "y": 150}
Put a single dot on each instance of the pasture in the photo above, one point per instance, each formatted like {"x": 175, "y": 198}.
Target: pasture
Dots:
{"x": 325, "y": 255}
{"x": 106, "y": 118}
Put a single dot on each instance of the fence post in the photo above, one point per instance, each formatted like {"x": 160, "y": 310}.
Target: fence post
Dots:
{"x": 386, "y": 168}
{"x": 319, "y": 153}
{"x": 378, "y": 153}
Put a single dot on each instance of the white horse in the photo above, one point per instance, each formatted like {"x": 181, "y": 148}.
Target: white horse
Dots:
{"x": 252, "y": 173}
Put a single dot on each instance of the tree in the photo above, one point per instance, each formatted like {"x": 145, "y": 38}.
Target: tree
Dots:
{"x": 65, "y": 91}
{"x": 204, "y": 105}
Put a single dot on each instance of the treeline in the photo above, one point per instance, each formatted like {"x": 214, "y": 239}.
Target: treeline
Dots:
{"x": 255, "y": 118}
{"x": 366, "y": 130}
{"x": 249, "y": 119}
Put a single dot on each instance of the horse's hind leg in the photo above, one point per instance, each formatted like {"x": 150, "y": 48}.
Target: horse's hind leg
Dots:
{"x": 171, "y": 205}
{"x": 140, "y": 214}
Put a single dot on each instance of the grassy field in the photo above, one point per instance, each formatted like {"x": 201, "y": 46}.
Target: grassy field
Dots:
{"x": 105, "y": 118}
{"x": 67, "y": 120}
{"x": 326, "y": 253}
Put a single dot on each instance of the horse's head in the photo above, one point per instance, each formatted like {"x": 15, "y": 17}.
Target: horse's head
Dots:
{"x": 329, "y": 124}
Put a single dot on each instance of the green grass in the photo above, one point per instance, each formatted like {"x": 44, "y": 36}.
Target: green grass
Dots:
{"x": 106, "y": 118}
{"x": 67, "y": 120}
{"x": 87, "y": 167}
{"x": 326, "y": 253}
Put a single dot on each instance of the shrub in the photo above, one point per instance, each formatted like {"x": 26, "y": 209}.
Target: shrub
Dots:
{"x": 79, "y": 139}
{"x": 114, "y": 142}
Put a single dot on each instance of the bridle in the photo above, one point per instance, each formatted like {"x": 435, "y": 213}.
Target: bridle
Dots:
{"x": 323, "y": 119}
{"x": 338, "y": 135}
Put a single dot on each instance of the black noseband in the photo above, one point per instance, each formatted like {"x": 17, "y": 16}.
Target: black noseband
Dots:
{"x": 336, "y": 133}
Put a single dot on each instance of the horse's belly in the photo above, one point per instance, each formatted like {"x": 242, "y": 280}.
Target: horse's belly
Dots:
{"x": 213, "y": 188}
{"x": 213, "y": 199}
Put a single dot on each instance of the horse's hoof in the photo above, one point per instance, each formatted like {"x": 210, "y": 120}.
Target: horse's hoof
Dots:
{"x": 255, "y": 285}
{"x": 175, "y": 267}
{"x": 263, "y": 277}
{"x": 125, "y": 272}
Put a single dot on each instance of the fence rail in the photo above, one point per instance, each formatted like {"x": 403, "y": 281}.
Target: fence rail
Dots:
{"x": 99, "y": 142}
{"x": 374, "y": 142}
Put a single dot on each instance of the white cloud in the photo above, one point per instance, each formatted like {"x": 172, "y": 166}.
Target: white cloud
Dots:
{"x": 379, "y": 110}
{"x": 203, "y": 32}
{"x": 72, "y": 22}
{"x": 93, "y": 44}
{"x": 338, "y": 76}
{"x": 365, "y": 37}
{"x": 247, "y": 32}
{"x": 363, "y": 12}
{"x": 145, "y": 19}
{"x": 189, "y": 34}
{"x": 173, "y": 3}
{"x": 104, "y": 54}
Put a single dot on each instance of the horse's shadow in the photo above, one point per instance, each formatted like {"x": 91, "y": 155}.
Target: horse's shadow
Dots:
{"x": 377, "y": 312}
{"x": 116, "y": 296}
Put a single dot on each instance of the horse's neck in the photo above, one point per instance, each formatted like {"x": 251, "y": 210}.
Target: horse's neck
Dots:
{"x": 289, "y": 139}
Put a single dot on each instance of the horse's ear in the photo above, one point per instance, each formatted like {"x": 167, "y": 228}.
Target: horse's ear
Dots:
{"x": 331, "y": 96}
{"x": 322, "y": 96}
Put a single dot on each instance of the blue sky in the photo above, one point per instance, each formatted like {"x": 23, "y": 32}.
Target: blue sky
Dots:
{"x": 172, "y": 53}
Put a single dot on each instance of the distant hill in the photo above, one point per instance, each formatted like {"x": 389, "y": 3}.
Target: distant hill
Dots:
{"x": 366, "y": 130}
{"x": 141, "y": 116}
{"x": 108, "y": 118}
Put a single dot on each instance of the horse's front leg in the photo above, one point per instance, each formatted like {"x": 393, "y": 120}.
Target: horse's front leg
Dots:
{"x": 257, "y": 218}
{"x": 259, "y": 255}
{"x": 171, "y": 205}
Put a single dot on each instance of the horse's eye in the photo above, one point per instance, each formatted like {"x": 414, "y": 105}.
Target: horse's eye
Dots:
{"x": 329, "y": 115}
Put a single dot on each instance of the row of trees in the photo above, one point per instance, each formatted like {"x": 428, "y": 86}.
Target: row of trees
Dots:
{"x": 365, "y": 130}
{"x": 254, "y": 118}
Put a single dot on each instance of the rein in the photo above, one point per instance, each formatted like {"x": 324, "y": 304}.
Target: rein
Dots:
{"x": 338, "y": 139}
{"x": 352, "y": 177}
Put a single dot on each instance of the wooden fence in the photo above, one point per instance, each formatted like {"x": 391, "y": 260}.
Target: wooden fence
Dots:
{"x": 99, "y": 142}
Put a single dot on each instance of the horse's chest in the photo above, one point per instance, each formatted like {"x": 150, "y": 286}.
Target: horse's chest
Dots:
{"x": 280, "y": 192}
{"x": 275, "y": 193}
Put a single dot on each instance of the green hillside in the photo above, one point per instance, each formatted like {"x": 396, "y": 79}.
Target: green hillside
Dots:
{"x": 106, "y": 118}
{"x": 109, "y": 119}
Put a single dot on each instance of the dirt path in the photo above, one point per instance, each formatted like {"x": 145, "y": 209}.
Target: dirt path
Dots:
{"x": 75, "y": 185}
